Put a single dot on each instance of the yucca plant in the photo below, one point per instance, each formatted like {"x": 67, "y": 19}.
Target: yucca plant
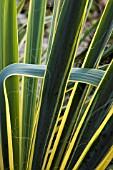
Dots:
{"x": 43, "y": 131}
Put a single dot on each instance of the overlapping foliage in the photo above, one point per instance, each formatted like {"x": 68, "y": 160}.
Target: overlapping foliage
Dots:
{"x": 40, "y": 132}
